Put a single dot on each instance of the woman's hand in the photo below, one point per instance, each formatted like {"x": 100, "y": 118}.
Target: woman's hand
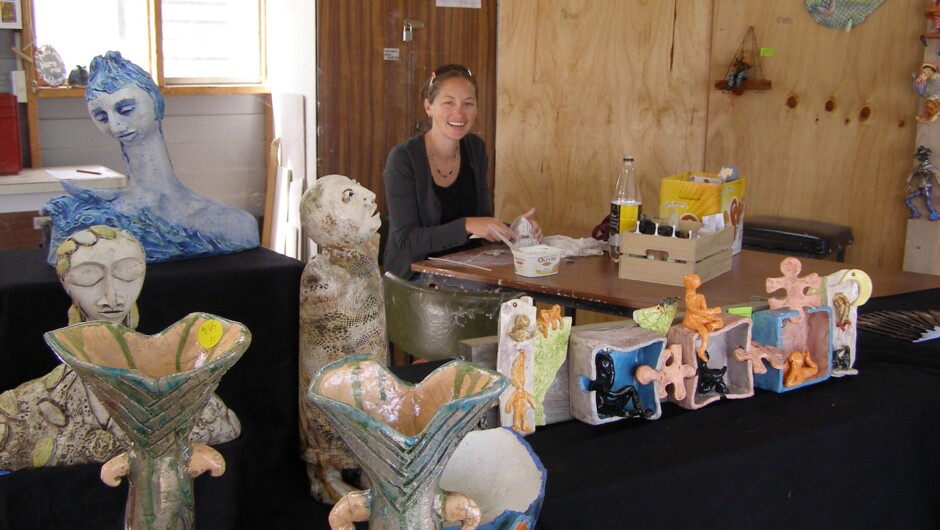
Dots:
{"x": 536, "y": 231}
{"x": 486, "y": 226}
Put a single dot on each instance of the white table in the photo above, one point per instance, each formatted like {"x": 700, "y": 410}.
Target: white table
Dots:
{"x": 29, "y": 190}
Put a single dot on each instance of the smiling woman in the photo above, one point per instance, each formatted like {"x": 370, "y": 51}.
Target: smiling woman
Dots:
{"x": 435, "y": 183}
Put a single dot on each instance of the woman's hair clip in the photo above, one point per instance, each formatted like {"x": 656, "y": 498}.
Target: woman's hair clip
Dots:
{"x": 431, "y": 82}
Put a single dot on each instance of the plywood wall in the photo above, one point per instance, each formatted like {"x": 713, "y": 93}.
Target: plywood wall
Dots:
{"x": 580, "y": 82}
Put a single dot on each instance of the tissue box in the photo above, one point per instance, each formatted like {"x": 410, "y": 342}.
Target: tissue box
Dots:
{"x": 537, "y": 260}
{"x": 708, "y": 256}
{"x": 694, "y": 195}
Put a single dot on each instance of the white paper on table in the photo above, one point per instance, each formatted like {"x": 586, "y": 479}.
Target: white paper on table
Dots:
{"x": 84, "y": 173}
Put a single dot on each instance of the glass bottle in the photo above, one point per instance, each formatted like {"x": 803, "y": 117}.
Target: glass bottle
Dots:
{"x": 624, "y": 206}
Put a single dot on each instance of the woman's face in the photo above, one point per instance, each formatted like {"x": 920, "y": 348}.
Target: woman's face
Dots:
{"x": 454, "y": 108}
{"x": 104, "y": 279}
{"x": 128, "y": 114}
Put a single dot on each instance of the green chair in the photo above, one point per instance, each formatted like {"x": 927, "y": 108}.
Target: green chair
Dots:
{"x": 428, "y": 323}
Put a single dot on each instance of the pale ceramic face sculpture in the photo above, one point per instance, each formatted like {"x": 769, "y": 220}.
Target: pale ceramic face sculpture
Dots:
{"x": 104, "y": 279}
{"x": 127, "y": 114}
{"x": 338, "y": 212}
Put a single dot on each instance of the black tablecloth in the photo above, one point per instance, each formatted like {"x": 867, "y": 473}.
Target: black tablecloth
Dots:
{"x": 855, "y": 452}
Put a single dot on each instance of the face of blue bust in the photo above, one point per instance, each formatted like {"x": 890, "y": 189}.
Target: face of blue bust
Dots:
{"x": 128, "y": 114}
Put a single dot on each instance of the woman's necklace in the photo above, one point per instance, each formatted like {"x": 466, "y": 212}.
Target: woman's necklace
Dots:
{"x": 453, "y": 167}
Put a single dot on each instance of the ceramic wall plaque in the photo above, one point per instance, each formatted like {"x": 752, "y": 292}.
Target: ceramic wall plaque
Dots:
{"x": 516, "y": 360}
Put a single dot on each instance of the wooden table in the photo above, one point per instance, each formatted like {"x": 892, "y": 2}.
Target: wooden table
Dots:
{"x": 592, "y": 283}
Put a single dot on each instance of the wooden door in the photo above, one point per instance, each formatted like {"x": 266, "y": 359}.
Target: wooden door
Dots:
{"x": 368, "y": 101}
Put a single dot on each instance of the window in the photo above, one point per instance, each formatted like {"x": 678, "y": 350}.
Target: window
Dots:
{"x": 203, "y": 41}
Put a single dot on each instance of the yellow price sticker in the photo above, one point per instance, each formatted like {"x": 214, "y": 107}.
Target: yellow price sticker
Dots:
{"x": 210, "y": 333}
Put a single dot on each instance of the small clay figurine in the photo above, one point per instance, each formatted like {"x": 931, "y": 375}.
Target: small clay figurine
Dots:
{"x": 842, "y": 359}
{"x": 742, "y": 65}
{"x": 342, "y": 313}
{"x": 710, "y": 379}
{"x": 611, "y": 401}
{"x": 550, "y": 318}
{"x": 927, "y": 85}
{"x": 520, "y": 397}
{"x": 799, "y": 367}
{"x": 919, "y": 184}
{"x": 698, "y": 316}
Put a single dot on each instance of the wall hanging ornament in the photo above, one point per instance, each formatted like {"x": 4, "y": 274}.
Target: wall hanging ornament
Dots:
{"x": 841, "y": 14}
{"x": 745, "y": 71}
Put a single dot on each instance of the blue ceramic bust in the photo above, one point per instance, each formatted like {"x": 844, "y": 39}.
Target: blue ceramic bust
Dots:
{"x": 171, "y": 221}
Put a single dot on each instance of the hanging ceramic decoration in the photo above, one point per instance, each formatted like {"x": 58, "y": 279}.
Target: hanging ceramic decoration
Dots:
{"x": 50, "y": 69}
{"x": 843, "y": 291}
{"x": 926, "y": 84}
{"x": 841, "y": 14}
{"x": 403, "y": 436}
{"x": 921, "y": 181}
{"x": 154, "y": 387}
{"x": 516, "y": 360}
{"x": 745, "y": 71}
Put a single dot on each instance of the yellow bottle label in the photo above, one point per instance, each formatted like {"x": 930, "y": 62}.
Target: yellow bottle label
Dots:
{"x": 629, "y": 215}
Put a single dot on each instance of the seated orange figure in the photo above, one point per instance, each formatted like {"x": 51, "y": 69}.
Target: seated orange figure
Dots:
{"x": 698, "y": 316}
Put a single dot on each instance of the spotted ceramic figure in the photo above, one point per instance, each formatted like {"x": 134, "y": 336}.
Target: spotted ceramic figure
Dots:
{"x": 56, "y": 419}
{"x": 342, "y": 313}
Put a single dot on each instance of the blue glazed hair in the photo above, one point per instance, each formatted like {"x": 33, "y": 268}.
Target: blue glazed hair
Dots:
{"x": 111, "y": 72}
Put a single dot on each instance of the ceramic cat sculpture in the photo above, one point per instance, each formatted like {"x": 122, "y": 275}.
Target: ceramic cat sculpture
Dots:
{"x": 342, "y": 313}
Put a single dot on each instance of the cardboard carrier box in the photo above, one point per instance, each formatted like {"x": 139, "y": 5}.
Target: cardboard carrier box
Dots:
{"x": 694, "y": 195}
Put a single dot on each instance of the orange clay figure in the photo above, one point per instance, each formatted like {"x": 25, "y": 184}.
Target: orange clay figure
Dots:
{"x": 550, "y": 317}
{"x": 698, "y": 316}
{"x": 799, "y": 367}
{"x": 516, "y": 404}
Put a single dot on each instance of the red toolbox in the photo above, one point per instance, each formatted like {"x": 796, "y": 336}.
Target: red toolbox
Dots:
{"x": 11, "y": 161}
